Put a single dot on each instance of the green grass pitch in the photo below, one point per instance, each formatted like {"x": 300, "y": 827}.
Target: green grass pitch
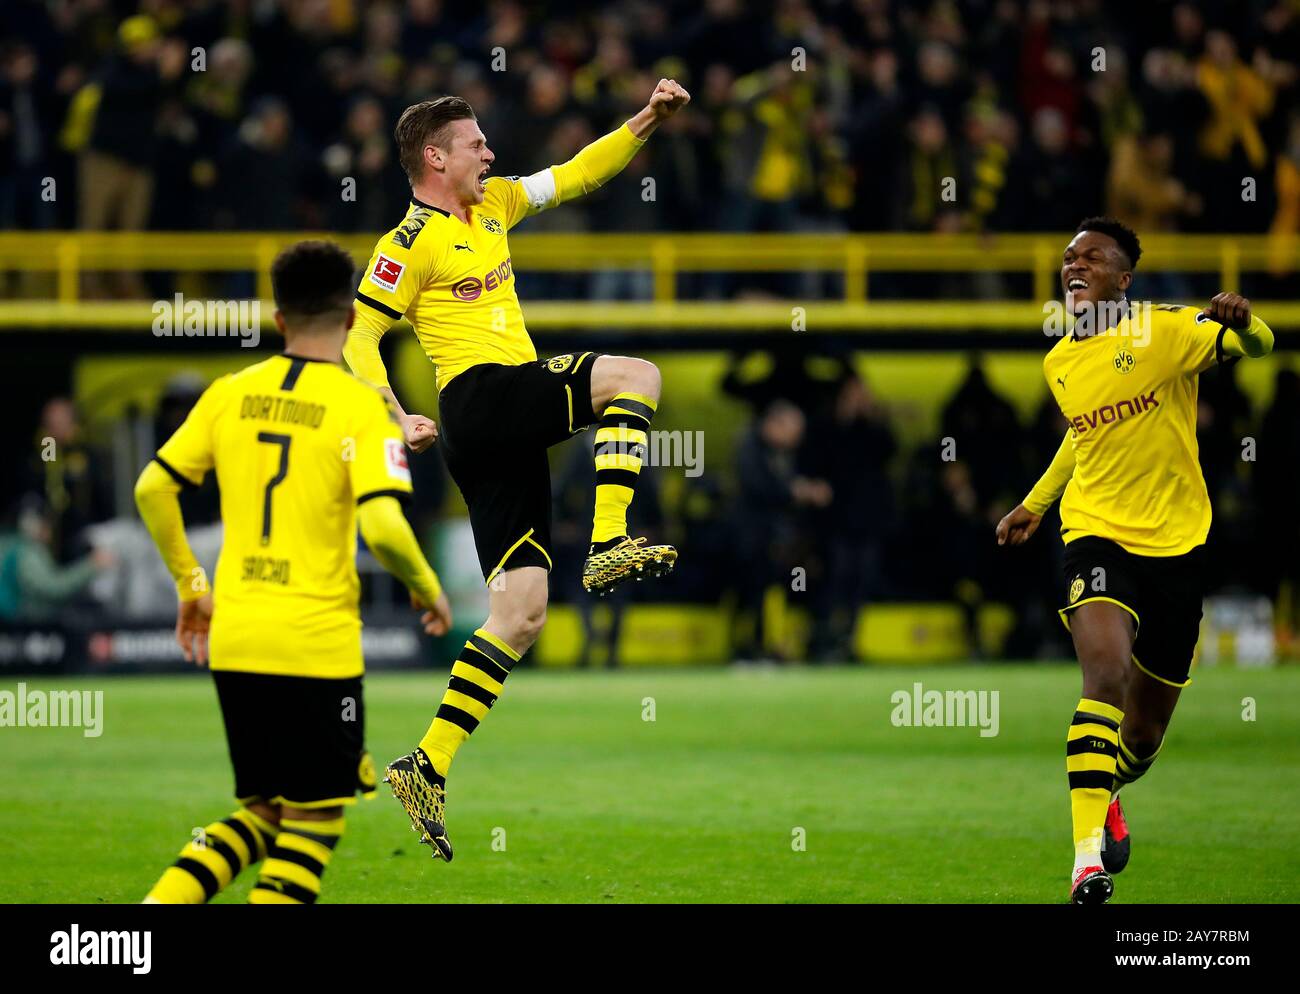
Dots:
{"x": 595, "y": 804}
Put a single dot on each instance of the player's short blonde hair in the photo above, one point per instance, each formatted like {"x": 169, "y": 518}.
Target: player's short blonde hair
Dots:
{"x": 425, "y": 124}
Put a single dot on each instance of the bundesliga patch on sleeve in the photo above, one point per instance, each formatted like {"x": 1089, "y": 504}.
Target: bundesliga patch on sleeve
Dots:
{"x": 395, "y": 460}
{"x": 387, "y": 273}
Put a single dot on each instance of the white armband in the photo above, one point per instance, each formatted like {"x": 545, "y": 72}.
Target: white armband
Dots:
{"x": 539, "y": 188}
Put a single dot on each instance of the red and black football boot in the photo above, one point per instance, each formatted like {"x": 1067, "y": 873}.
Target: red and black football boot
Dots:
{"x": 1114, "y": 850}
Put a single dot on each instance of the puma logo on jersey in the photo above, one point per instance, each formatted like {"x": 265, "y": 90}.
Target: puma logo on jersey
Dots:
{"x": 464, "y": 248}
{"x": 1061, "y": 380}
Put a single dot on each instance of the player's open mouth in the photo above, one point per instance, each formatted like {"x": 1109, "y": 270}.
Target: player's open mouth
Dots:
{"x": 482, "y": 177}
{"x": 1077, "y": 284}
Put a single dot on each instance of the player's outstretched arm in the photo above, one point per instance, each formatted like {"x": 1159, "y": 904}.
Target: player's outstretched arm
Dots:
{"x": 389, "y": 537}
{"x": 607, "y": 156}
{"x": 1019, "y": 525}
{"x": 157, "y": 495}
{"x": 1245, "y": 334}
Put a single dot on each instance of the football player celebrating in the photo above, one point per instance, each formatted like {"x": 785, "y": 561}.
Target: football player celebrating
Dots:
{"x": 1135, "y": 514}
{"x": 447, "y": 269}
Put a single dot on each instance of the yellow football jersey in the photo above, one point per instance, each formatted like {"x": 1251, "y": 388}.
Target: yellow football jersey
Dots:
{"x": 296, "y": 445}
{"x": 453, "y": 281}
{"x": 1130, "y": 397}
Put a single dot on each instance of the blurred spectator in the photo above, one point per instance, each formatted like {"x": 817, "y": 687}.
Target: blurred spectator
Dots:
{"x": 850, "y": 448}
{"x": 26, "y": 112}
{"x": 262, "y": 174}
{"x": 985, "y": 434}
{"x": 991, "y": 136}
{"x": 874, "y": 148}
{"x": 69, "y": 475}
{"x": 117, "y": 163}
{"x": 1231, "y": 140}
{"x": 1057, "y": 176}
{"x": 359, "y": 167}
{"x": 767, "y": 527}
{"x": 930, "y": 161}
{"x": 1277, "y": 489}
{"x": 33, "y": 586}
{"x": 1141, "y": 189}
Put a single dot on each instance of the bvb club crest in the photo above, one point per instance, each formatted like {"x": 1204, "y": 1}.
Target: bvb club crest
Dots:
{"x": 559, "y": 363}
{"x": 1076, "y": 589}
{"x": 1124, "y": 361}
{"x": 492, "y": 225}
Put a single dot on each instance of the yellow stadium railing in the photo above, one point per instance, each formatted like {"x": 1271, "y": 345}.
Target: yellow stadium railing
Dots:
{"x": 66, "y": 256}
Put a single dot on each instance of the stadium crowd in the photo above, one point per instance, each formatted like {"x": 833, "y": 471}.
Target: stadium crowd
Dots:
{"x": 813, "y": 115}
{"x": 808, "y": 114}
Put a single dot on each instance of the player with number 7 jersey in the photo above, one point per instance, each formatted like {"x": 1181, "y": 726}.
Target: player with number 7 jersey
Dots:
{"x": 298, "y": 444}
{"x": 304, "y": 454}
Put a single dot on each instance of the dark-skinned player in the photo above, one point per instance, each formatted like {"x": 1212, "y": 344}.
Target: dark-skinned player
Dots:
{"x": 1135, "y": 514}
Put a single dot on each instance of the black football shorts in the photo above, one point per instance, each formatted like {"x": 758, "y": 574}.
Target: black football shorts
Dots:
{"x": 295, "y": 740}
{"x": 1163, "y": 593}
{"x": 497, "y": 423}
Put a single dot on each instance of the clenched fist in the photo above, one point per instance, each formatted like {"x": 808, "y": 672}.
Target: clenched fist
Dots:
{"x": 668, "y": 98}
{"x": 1231, "y": 309}
{"x": 420, "y": 432}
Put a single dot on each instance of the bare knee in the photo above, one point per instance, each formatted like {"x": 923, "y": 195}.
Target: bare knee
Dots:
{"x": 528, "y": 625}
{"x": 1103, "y": 673}
{"x": 613, "y": 375}
{"x": 1103, "y": 641}
{"x": 519, "y": 612}
{"x": 643, "y": 377}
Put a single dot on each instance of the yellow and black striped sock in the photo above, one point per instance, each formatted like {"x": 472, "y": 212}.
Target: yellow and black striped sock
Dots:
{"x": 297, "y": 861}
{"x": 621, "y": 440}
{"x": 477, "y": 679}
{"x": 1128, "y": 767}
{"x": 214, "y": 859}
{"x": 1091, "y": 745}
